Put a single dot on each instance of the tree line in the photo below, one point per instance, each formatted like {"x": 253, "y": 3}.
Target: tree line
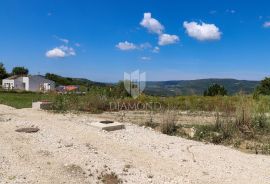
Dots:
{"x": 214, "y": 90}
{"x": 18, "y": 70}
{"x": 218, "y": 90}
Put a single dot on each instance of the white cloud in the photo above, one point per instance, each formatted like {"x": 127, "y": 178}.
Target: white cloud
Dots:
{"x": 266, "y": 24}
{"x": 202, "y": 31}
{"x": 152, "y": 24}
{"x": 125, "y": 46}
{"x": 68, "y": 50}
{"x": 66, "y": 41}
{"x": 145, "y": 45}
{"x": 145, "y": 58}
{"x": 60, "y": 52}
{"x": 156, "y": 49}
{"x": 55, "y": 53}
{"x": 166, "y": 39}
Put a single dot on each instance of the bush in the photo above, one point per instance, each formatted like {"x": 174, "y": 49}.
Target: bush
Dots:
{"x": 60, "y": 103}
{"x": 259, "y": 121}
{"x": 215, "y": 90}
{"x": 150, "y": 124}
{"x": 94, "y": 103}
{"x": 204, "y": 132}
{"x": 169, "y": 126}
{"x": 225, "y": 127}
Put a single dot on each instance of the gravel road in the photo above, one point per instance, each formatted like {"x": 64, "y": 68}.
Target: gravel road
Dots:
{"x": 67, "y": 150}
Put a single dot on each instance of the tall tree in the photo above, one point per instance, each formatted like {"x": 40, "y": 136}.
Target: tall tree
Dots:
{"x": 264, "y": 87}
{"x": 3, "y": 72}
{"x": 215, "y": 90}
{"x": 20, "y": 71}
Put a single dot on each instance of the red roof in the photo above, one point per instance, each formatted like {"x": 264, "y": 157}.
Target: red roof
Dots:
{"x": 71, "y": 88}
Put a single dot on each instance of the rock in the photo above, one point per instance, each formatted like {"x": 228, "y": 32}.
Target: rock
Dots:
{"x": 28, "y": 130}
{"x": 189, "y": 131}
{"x": 69, "y": 145}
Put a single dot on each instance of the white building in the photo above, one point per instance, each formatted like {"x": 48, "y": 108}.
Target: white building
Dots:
{"x": 28, "y": 83}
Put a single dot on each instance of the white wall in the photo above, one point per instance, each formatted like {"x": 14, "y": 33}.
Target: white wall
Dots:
{"x": 32, "y": 83}
{"x": 17, "y": 83}
{"x": 26, "y": 81}
{"x": 5, "y": 83}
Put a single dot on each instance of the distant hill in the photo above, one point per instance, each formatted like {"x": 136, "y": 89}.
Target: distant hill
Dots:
{"x": 197, "y": 87}
{"x": 168, "y": 88}
{"x": 59, "y": 80}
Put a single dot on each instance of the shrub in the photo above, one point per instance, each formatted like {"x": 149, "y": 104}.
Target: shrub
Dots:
{"x": 151, "y": 124}
{"x": 60, "y": 103}
{"x": 266, "y": 148}
{"x": 215, "y": 90}
{"x": 94, "y": 103}
{"x": 169, "y": 126}
{"x": 226, "y": 127}
{"x": 204, "y": 132}
{"x": 259, "y": 121}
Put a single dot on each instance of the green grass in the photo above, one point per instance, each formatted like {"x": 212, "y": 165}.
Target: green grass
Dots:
{"x": 97, "y": 102}
{"x": 22, "y": 99}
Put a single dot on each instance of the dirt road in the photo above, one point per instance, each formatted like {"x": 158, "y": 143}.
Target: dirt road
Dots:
{"x": 68, "y": 150}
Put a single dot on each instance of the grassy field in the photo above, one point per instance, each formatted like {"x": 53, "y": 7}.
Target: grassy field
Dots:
{"x": 95, "y": 102}
{"x": 22, "y": 99}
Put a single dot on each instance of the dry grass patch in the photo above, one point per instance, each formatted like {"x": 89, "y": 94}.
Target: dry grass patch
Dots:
{"x": 169, "y": 124}
{"x": 111, "y": 178}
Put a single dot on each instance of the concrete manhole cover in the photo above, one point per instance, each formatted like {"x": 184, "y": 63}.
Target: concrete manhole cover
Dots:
{"x": 107, "y": 125}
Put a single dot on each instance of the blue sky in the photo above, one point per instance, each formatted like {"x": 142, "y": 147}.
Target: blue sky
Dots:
{"x": 169, "y": 40}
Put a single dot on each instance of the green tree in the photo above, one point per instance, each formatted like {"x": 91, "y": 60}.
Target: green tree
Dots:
{"x": 20, "y": 71}
{"x": 264, "y": 87}
{"x": 119, "y": 90}
{"x": 215, "y": 90}
{"x": 3, "y": 72}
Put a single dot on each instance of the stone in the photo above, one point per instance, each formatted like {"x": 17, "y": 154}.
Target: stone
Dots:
{"x": 189, "y": 131}
{"x": 69, "y": 145}
{"x": 28, "y": 130}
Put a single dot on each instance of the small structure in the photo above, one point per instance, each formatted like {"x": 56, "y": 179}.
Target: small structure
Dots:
{"x": 107, "y": 125}
{"x": 35, "y": 83}
{"x": 45, "y": 105}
